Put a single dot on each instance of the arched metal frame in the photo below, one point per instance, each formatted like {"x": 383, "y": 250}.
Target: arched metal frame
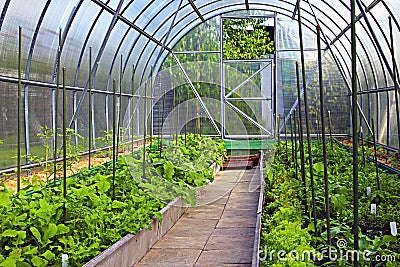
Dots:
{"x": 152, "y": 42}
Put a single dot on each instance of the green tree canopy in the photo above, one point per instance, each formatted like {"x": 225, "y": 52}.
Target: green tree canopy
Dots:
{"x": 247, "y": 39}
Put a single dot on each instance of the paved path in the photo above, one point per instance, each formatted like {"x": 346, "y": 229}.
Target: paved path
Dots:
{"x": 219, "y": 231}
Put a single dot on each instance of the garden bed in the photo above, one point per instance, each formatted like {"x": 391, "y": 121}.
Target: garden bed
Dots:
{"x": 288, "y": 227}
{"x": 99, "y": 210}
{"x": 385, "y": 157}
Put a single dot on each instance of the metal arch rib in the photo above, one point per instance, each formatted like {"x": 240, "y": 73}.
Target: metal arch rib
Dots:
{"x": 27, "y": 72}
{"x": 197, "y": 11}
{"x": 380, "y": 50}
{"x": 130, "y": 24}
{"x": 4, "y": 12}
{"x": 196, "y": 94}
{"x": 95, "y": 63}
{"x": 296, "y": 7}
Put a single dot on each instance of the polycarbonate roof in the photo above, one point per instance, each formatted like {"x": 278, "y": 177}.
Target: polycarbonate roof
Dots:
{"x": 140, "y": 29}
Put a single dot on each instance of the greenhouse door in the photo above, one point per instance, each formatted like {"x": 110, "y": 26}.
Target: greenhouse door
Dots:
{"x": 247, "y": 93}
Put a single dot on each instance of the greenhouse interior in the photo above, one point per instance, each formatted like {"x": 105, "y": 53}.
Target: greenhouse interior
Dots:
{"x": 199, "y": 133}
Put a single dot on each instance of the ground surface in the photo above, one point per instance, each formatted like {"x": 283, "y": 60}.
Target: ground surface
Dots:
{"x": 219, "y": 231}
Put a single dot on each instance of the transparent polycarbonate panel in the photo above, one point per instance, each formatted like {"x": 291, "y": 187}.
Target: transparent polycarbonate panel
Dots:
{"x": 145, "y": 61}
{"x": 336, "y": 91}
{"x": 394, "y": 127}
{"x": 45, "y": 53}
{"x": 160, "y": 62}
{"x": 185, "y": 21}
{"x": 245, "y": 79}
{"x": 19, "y": 13}
{"x": 8, "y": 125}
{"x": 73, "y": 44}
{"x": 40, "y": 122}
{"x": 288, "y": 35}
{"x": 336, "y": 99}
{"x": 151, "y": 11}
{"x": 108, "y": 55}
{"x": 393, "y": 6}
{"x": 164, "y": 17}
{"x": 207, "y": 36}
{"x": 95, "y": 39}
{"x": 383, "y": 33}
{"x": 334, "y": 16}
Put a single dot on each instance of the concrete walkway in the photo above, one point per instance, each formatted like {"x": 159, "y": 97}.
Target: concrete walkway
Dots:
{"x": 219, "y": 231}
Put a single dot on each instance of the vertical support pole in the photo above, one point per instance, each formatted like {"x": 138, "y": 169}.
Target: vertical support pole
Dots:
{"x": 186, "y": 118}
{"x": 303, "y": 74}
{"x": 323, "y": 138}
{"x": 119, "y": 105}
{"x": 132, "y": 104}
{"x": 173, "y": 126}
{"x": 286, "y": 141}
{"x": 144, "y": 131}
{"x": 301, "y": 144}
{"x": 278, "y": 129}
{"x": 76, "y": 119}
{"x": 354, "y": 124}
{"x": 152, "y": 109}
{"x": 396, "y": 86}
{"x": 162, "y": 119}
{"x": 275, "y": 75}
{"x": 114, "y": 158}
{"x": 64, "y": 130}
{"x": 387, "y": 120}
{"x": 159, "y": 111}
{"x": 291, "y": 136}
{"x": 178, "y": 118}
{"x": 55, "y": 104}
{"x": 19, "y": 109}
{"x": 375, "y": 156}
{"x": 295, "y": 143}
{"x": 222, "y": 73}
{"x": 362, "y": 144}
{"x": 330, "y": 129}
{"x": 317, "y": 122}
{"x": 90, "y": 106}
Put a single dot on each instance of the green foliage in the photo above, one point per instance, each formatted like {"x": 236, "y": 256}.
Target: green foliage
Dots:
{"x": 283, "y": 192}
{"x": 246, "y": 39}
{"x": 34, "y": 233}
